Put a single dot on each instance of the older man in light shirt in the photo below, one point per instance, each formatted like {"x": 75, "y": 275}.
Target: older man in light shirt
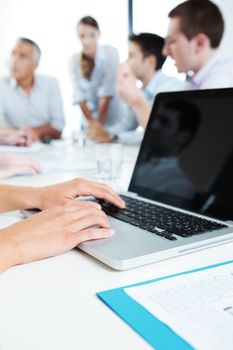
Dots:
{"x": 29, "y": 100}
{"x": 194, "y": 35}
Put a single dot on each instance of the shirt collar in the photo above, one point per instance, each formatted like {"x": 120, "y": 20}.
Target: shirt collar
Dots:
{"x": 197, "y": 79}
{"x": 149, "y": 89}
{"x": 13, "y": 82}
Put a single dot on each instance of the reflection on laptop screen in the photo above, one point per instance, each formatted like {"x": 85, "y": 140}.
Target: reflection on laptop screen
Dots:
{"x": 186, "y": 155}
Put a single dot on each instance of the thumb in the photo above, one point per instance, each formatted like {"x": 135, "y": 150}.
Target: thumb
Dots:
{"x": 92, "y": 233}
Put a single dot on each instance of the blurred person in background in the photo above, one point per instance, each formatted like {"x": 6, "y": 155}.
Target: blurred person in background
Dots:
{"x": 93, "y": 75}
{"x": 144, "y": 63}
{"x": 29, "y": 100}
{"x": 193, "y": 40}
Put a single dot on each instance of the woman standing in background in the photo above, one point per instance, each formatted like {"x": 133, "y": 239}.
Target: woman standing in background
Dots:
{"x": 93, "y": 74}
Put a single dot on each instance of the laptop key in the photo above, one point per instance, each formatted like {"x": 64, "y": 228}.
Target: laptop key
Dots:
{"x": 166, "y": 235}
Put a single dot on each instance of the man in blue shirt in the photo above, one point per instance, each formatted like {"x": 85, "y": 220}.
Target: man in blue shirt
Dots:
{"x": 144, "y": 63}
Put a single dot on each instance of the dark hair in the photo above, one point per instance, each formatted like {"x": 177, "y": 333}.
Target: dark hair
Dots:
{"x": 150, "y": 44}
{"x": 32, "y": 43}
{"x": 200, "y": 16}
{"x": 90, "y": 21}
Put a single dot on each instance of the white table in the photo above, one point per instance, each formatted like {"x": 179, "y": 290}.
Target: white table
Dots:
{"x": 51, "y": 304}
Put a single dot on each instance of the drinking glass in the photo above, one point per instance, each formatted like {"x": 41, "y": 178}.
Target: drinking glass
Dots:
{"x": 109, "y": 160}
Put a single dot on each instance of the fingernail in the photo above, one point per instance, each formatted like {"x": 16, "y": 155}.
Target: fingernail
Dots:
{"x": 112, "y": 232}
{"x": 97, "y": 205}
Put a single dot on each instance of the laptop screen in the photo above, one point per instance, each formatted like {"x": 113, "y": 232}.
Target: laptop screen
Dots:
{"x": 186, "y": 157}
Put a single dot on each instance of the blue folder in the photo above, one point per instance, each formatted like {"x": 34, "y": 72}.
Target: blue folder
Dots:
{"x": 156, "y": 333}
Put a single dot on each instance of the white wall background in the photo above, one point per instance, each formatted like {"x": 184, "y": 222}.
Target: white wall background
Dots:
{"x": 51, "y": 23}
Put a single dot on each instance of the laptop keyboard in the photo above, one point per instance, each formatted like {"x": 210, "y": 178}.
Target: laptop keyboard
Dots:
{"x": 161, "y": 221}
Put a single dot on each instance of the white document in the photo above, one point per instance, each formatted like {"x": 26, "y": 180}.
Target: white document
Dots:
{"x": 56, "y": 165}
{"x": 6, "y": 220}
{"x": 197, "y": 306}
{"x": 35, "y": 147}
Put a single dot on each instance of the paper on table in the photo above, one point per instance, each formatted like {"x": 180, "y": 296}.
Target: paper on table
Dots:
{"x": 8, "y": 220}
{"x": 35, "y": 147}
{"x": 197, "y": 306}
{"x": 63, "y": 165}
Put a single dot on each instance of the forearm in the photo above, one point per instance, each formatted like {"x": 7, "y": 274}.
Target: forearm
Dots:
{"x": 103, "y": 108}
{"x": 142, "y": 108}
{"x": 7, "y": 253}
{"x": 5, "y": 260}
{"x": 46, "y": 130}
{"x": 87, "y": 113}
{"x": 18, "y": 197}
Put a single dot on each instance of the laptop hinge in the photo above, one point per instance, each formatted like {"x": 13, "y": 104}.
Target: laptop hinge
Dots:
{"x": 132, "y": 193}
{"x": 229, "y": 222}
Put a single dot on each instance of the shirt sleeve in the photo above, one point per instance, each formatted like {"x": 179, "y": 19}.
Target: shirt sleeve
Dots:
{"x": 108, "y": 85}
{"x": 219, "y": 79}
{"x": 78, "y": 94}
{"x": 172, "y": 84}
{"x": 3, "y": 121}
{"x": 56, "y": 112}
{"x": 2, "y": 118}
{"x": 165, "y": 85}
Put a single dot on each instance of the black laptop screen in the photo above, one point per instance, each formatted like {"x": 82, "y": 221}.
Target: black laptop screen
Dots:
{"x": 186, "y": 157}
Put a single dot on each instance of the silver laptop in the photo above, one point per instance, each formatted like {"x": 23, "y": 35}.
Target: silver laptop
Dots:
{"x": 180, "y": 197}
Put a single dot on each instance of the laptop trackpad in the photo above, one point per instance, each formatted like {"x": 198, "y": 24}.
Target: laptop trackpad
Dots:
{"x": 128, "y": 242}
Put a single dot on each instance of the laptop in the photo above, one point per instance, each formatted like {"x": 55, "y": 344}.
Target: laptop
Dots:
{"x": 180, "y": 198}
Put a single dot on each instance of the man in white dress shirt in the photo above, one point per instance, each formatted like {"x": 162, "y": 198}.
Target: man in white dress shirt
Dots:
{"x": 194, "y": 35}
{"x": 28, "y": 100}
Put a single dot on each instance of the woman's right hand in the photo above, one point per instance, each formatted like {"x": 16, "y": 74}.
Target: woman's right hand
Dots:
{"x": 96, "y": 131}
{"x": 52, "y": 232}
